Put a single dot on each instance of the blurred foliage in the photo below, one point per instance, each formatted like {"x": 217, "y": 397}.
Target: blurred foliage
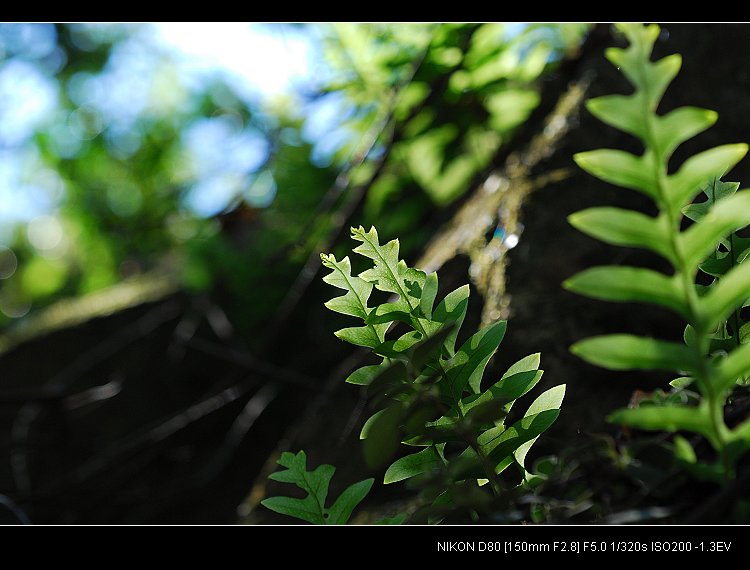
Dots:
{"x": 123, "y": 179}
{"x": 457, "y": 93}
{"x": 131, "y": 165}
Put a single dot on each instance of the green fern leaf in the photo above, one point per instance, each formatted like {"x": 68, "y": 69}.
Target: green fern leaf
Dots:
{"x": 625, "y": 228}
{"x": 467, "y": 366}
{"x": 666, "y": 418}
{"x": 630, "y": 284}
{"x": 413, "y": 465}
{"x": 353, "y": 303}
{"x": 625, "y": 352}
{"x": 706, "y": 309}
{"x": 390, "y": 274}
{"x": 315, "y": 483}
{"x": 429, "y": 392}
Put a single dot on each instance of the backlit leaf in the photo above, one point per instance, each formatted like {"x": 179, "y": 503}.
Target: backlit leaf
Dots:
{"x": 625, "y": 352}
{"x": 614, "y": 283}
{"x": 315, "y": 483}
{"x": 413, "y": 465}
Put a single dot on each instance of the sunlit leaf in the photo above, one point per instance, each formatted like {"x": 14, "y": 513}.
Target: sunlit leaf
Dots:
{"x": 614, "y": 283}
{"x": 550, "y": 400}
{"x": 621, "y": 168}
{"x": 467, "y": 366}
{"x": 413, "y": 465}
{"x": 626, "y": 228}
{"x": 674, "y": 128}
{"x": 452, "y": 309}
{"x": 500, "y": 447}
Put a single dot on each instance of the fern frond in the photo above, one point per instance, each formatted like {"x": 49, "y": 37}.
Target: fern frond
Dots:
{"x": 429, "y": 393}
{"x": 714, "y": 222}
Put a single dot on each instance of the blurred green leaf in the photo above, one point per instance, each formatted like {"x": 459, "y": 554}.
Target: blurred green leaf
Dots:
{"x": 667, "y": 418}
{"x": 621, "y": 168}
{"x": 382, "y": 435}
{"x": 624, "y": 352}
{"x": 511, "y": 107}
{"x": 625, "y": 228}
{"x": 42, "y": 277}
{"x": 614, "y": 283}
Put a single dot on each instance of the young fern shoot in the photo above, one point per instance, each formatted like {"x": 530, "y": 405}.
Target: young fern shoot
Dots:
{"x": 704, "y": 310}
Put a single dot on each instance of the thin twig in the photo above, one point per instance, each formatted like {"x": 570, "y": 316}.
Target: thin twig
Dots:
{"x": 15, "y": 510}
